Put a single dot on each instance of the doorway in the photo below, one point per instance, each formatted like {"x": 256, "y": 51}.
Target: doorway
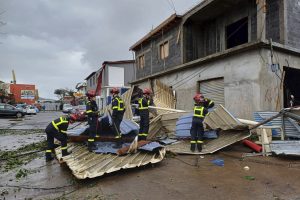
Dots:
{"x": 291, "y": 86}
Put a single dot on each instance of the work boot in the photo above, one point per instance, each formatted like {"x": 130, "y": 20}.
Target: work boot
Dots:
{"x": 140, "y": 138}
{"x": 49, "y": 157}
{"x": 92, "y": 147}
{"x": 64, "y": 152}
{"x": 199, "y": 147}
{"x": 193, "y": 147}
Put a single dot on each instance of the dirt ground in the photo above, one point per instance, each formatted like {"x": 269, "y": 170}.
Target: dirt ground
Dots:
{"x": 176, "y": 177}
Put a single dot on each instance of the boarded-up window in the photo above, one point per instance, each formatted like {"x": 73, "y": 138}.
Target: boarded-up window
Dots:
{"x": 213, "y": 89}
{"x": 141, "y": 61}
{"x": 164, "y": 50}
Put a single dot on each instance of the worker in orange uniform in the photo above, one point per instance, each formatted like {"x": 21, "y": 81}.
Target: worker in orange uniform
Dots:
{"x": 143, "y": 109}
{"x": 57, "y": 129}
{"x": 197, "y": 130}
{"x": 118, "y": 108}
{"x": 92, "y": 113}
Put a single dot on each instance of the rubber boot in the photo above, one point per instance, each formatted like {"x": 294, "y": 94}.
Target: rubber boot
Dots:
{"x": 193, "y": 147}
{"x": 199, "y": 147}
{"x": 91, "y": 147}
{"x": 48, "y": 157}
{"x": 65, "y": 152}
{"x": 140, "y": 138}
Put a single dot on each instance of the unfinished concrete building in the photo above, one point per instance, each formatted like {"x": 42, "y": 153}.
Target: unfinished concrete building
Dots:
{"x": 244, "y": 54}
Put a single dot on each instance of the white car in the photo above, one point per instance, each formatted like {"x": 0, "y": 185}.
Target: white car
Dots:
{"x": 30, "y": 110}
{"x": 67, "y": 108}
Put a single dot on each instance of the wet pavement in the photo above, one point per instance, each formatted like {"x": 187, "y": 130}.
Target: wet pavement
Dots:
{"x": 176, "y": 177}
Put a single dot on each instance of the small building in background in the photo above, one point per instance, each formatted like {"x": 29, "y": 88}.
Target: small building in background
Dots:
{"x": 117, "y": 74}
{"x": 23, "y": 93}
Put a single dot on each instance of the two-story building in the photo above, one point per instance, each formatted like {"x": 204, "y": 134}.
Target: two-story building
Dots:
{"x": 117, "y": 74}
{"x": 244, "y": 54}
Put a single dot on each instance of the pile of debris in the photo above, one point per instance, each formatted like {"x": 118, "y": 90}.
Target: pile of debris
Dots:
{"x": 170, "y": 131}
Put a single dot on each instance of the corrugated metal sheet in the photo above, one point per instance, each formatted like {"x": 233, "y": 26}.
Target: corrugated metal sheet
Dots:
{"x": 90, "y": 165}
{"x": 183, "y": 128}
{"x": 225, "y": 139}
{"x": 285, "y": 147}
{"x": 291, "y": 127}
{"x": 220, "y": 118}
{"x": 213, "y": 89}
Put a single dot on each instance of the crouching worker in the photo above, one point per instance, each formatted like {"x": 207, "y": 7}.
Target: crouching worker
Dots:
{"x": 57, "y": 129}
{"x": 197, "y": 130}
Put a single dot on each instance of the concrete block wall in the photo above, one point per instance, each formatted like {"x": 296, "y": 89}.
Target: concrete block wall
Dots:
{"x": 293, "y": 23}
{"x": 153, "y": 63}
{"x": 272, "y": 20}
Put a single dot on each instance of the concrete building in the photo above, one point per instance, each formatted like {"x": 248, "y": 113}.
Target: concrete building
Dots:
{"x": 113, "y": 74}
{"x": 244, "y": 54}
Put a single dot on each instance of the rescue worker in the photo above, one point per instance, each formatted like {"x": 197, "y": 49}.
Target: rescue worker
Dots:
{"x": 92, "y": 113}
{"x": 143, "y": 109}
{"x": 197, "y": 130}
{"x": 118, "y": 111}
{"x": 57, "y": 129}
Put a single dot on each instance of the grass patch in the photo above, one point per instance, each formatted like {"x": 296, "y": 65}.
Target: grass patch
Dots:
{"x": 20, "y": 131}
{"x": 12, "y": 159}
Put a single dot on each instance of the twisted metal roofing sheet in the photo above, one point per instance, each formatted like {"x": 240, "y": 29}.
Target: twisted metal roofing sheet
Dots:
{"x": 85, "y": 164}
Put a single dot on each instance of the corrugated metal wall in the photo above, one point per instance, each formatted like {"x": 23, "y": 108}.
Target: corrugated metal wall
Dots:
{"x": 291, "y": 128}
{"x": 214, "y": 90}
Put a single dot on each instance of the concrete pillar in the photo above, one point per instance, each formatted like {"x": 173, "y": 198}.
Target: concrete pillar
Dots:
{"x": 282, "y": 21}
{"x": 261, "y": 19}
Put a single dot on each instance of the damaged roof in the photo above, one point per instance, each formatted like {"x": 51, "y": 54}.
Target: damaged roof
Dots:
{"x": 90, "y": 165}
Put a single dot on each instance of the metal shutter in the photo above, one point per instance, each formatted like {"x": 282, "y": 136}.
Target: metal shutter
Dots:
{"x": 214, "y": 90}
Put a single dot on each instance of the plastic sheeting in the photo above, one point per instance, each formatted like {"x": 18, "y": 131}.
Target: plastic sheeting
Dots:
{"x": 286, "y": 147}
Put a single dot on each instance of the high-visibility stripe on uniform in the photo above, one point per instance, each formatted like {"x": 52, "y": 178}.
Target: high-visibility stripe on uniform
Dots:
{"x": 48, "y": 151}
{"x": 199, "y": 141}
{"x": 91, "y": 140}
{"x": 198, "y": 111}
{"x": 63, "y": 148}
{"x": 143, "y": 134}
{"x": 89, "y": 111}
{"x": 141, "y": 107}
{"x": 62, "y": 120}
{"x": 193, "y": 142}
{"x": 120, "y": 106}
{"x": 117, "y": 137}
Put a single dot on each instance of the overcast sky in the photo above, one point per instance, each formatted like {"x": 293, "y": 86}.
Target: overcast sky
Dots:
{"x": 57, "y": 43}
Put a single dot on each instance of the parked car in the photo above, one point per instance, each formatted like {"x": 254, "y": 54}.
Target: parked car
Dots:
{"x": 67, "y": 108}
{"x": 21, "y": 107}
{"x": 30, "y": 110}
{"x": 9, "y": 110}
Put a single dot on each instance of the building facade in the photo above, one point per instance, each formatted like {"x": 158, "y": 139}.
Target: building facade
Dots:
{"x": 23, "y": 93}
{"x": 242, "y": 54}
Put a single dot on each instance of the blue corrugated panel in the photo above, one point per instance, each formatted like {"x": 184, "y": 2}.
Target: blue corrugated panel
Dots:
{"x": 183, "y": 127}
{"x": 151, "y": 146}
{"x": 108, "y": 147}
{"x": 127, "y": 126}
{"x": 291, "y": 127}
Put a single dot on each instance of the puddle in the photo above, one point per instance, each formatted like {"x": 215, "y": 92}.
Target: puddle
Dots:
{"x": 13, "y": 142}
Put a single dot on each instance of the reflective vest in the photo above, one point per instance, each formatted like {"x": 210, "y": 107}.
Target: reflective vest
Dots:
{"x": 198, "y": 111}
{"x": 58, "y": 124}
{"x": 141, "y": 106}
{"x": 120, "y": 105}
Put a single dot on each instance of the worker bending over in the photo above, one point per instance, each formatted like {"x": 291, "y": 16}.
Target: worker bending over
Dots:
{"x": 57, "y": 129}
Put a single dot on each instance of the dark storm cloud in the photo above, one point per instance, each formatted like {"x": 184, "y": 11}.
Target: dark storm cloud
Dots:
{"x": 57, "y": 43}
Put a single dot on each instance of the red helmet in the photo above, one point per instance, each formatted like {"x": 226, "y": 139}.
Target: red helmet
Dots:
{"x": 73, "y": 118}
{"x": 114, "y": 90}
{"x": 199, "y": 97}
{"x": 147, "y": 91}
{"x": 91, "y": 93}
